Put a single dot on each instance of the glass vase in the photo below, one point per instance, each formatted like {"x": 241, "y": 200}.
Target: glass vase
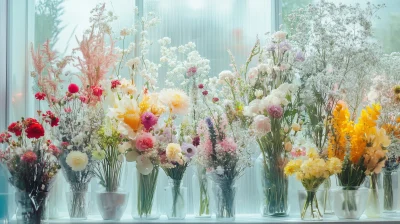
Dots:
{"x": 30, "y": 209}
{"x": 349, "y": 202}
{"x": 143, "y": 207}
{"x": 176, "y": 197}
{"x": 224, "y": 190}
{"x": 112, "y": 205}
{"x": 325, "y": 197}
{"x": 390, "y": 190}
{"x": 274, "y": 186}
{"x": 311, "y": 205}
{"x": 78, "y": 201}
{"x": 201, "y": 195}
{"x": 375, "y": 202}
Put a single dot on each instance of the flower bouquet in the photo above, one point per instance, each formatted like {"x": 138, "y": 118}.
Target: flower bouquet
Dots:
{"x": 32, "y": 163}
{"x": 187, "y": 70}
{"x": 109, "y": 170}
{"x": 79, "y": 109}
{"x": 312, "y": 172}
{"x": 361, "y": 148}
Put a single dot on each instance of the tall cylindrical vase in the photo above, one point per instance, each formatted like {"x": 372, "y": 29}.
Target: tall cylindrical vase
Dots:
{"x": 176, "y": 200}
{"x": 143, "y": 207}
{"x": 30, "y": 209}
{"x": 274, "y": 185}
{"x": 326, "y": 205}
{"x": 375, "y": 202}
{"x": 224, "y": 197}
{"x": 78, "y": 201}
{"x": 201, "y": 195}
{"x": 390, "y": 190}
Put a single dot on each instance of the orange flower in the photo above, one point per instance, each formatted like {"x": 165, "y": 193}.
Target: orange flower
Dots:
{"x": 341, "y": 126}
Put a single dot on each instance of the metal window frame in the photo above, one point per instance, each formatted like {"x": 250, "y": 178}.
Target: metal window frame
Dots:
{"x": 276, "y": 15}
{"x": 4, "y": 63}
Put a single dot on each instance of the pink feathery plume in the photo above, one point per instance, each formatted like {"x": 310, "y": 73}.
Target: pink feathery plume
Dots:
{"x": 97, "y": 58}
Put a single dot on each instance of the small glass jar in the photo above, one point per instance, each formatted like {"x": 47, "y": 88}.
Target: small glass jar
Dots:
{"x": 311, "y": 204}
{"x": 176, "y": 200}
{"x": 31, "y": 210}
{"x": 349, "y": 202}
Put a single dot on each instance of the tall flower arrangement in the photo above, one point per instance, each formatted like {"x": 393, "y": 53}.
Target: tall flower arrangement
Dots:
{"x": 79, "y": 108}
{"x": 32, "y": 163}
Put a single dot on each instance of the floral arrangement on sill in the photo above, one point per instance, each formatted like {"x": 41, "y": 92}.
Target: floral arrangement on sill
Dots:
{"x": 287, "y": 99}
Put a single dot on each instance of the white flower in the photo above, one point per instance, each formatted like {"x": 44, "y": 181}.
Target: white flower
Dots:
{"x": 253, "y": 108}
{"x": 77, "y": 160}
{"x": 220, "y": 170}
{"x": 253, "y": 75}
{"x": 127, "y": 87}
{"x": 261, "y": 125}
{"x": 125, "y": 32}
{"x": 122, "y": 148}
{"x": 258, "y": 93}
{"x": 188, "y": 139}
{"x": 176, "y": 100}
{"x": 133, "y": 63}
{"x": 225, "y": 76}
{"x": 280, "y": 35}
{"x": 263, "y": 68}
{"x": 144, "y": 165}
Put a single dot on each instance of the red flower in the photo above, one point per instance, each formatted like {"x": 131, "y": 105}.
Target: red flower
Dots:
{"x": 4, "y": 137}
{"x": 115, "y": 83}
{"x": 29, "y": 120}
{"x": 15, "y": 128}
{"x": 64, "y": 144}
{"x": 97, "y": 91}
{"x": 73, "y": 88}
{"x": 201, "y": 86}
{"x": 40, "y": 96}
{"x": 50, "y": 118}
{"x": 54, "y": 150}
{"x": 34, "y": 130}
{"x": 29, "y": 157}
{"x": 215, "y": 99}
{"x": 205, "y": 93}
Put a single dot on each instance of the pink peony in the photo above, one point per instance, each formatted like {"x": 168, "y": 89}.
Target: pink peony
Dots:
{"x": 228, "y": 145}
{"x": 148, "y": 120}
{"x": 29, "y": 157}
{"x": 275, "y": 111}
{"x": 144, "y": 141}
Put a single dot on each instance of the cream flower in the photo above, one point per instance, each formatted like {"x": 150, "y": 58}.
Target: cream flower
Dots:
{"x": 99, "y": 154}
{"x": 173, "y": 152}
{"x": 312, "y": 153}
{"x": 280, "y": 35}
{"x": 77, "y": 160}
{"x": 127, "y": 87}
{"x": 144, "y": 165}
{"x": 296, "y": 127}
{"x": 258, "y": 93}
{"x": 122, "y": 148}
{"x": 176, "y": 100}
{"x": 127, "y": 111}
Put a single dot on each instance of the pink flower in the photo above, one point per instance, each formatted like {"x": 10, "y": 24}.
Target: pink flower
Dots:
{"x": 275, "y": 111}
{"x": 115, "y": 83}
{"x": 299, "y": 151}
{"x": 54, "y": 150}
{"x": 201, "y": 86}
{"x": 261, "y": 124}
{"x": 144, "y": 141}
{"x": 4, "y": 137}
{"x": 148, "y": 120}
{"x": 64, "y": 144}
{"x": 40, "y": 96}
{"x": 191, "y": 71}
{"x": 73, "y": 88}
{"x": 68, "y": 110}
{"x": 228, "y": 145}
{"x": 205, "y": 93}
{"x": 83, "y": 99}
{"x": 97, "y": 91}
{"x": 215, "y": 99}
{"x": 29, "y": 157}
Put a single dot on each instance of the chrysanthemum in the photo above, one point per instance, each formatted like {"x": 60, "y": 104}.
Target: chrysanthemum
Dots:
{"x": 176, "y": 100}
{"x": 77, "y": 160}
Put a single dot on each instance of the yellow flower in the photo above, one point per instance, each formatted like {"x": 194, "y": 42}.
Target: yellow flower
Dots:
{"x": 77, "y": 160}
{"x": 176, "y": 100}
{"x": 127, "y": 111}
{"x": 334, "y": 165}
{"x": 99, "y": 155}
{"x": 312, "y": 153}
{"x": 292, "y": 166}
{"x": 173, "y": 152}
{"x": 381, "y": 139}
{"x": 296, "y": 127}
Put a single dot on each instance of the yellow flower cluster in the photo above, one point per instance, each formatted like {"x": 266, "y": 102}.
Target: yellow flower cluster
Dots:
{"x": 313, "y": 171}
{"x": 362, "y": 140}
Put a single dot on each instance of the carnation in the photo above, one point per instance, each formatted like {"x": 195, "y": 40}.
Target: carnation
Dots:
{"x": 176, "y": 100}
{"x": 275, "y": 111}
{"x": 40, "y": 96}
{"x": 77, "y": 160}
{"x": 144, "y": 141}
{"x": 15, "y": 128}
{"x": 148, "y": 120}
{"x": 34, "y": 130}
{"x": 29, "y": 157}
{"x": 173, "y": 151}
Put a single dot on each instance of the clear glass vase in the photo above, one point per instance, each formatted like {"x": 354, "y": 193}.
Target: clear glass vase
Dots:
{"x": 31, "y": 209}
{"x": 375, "y": 202}
{"x": 176, "y": 197}
{"x": 112, "y": 205}
{"x": 349, "y": 202}
{"x": 390, "y": 190}
{"x": 201, "y": 195}
{"x": 143, "y": 207}
{"x": 311, "y": 205}
{"x": 274, "y": 186}
{"x": 78, "y": 201}
{"x": 224, "y": 190}
{"x": 326, "y": 198}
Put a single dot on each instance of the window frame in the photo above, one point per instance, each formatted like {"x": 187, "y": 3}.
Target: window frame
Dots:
{"x": 4, "y": 63}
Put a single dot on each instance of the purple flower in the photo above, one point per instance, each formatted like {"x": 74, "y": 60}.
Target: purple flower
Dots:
{"x": 299, "y": 56}
{"x": 285, "y": 46}
{"x": 275, "y": 111}
{"x": 188, "y": 150}
{"x": 271, "y": 47}
{"x": 148, "y": 120}
{"x": 209, "y": 122}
